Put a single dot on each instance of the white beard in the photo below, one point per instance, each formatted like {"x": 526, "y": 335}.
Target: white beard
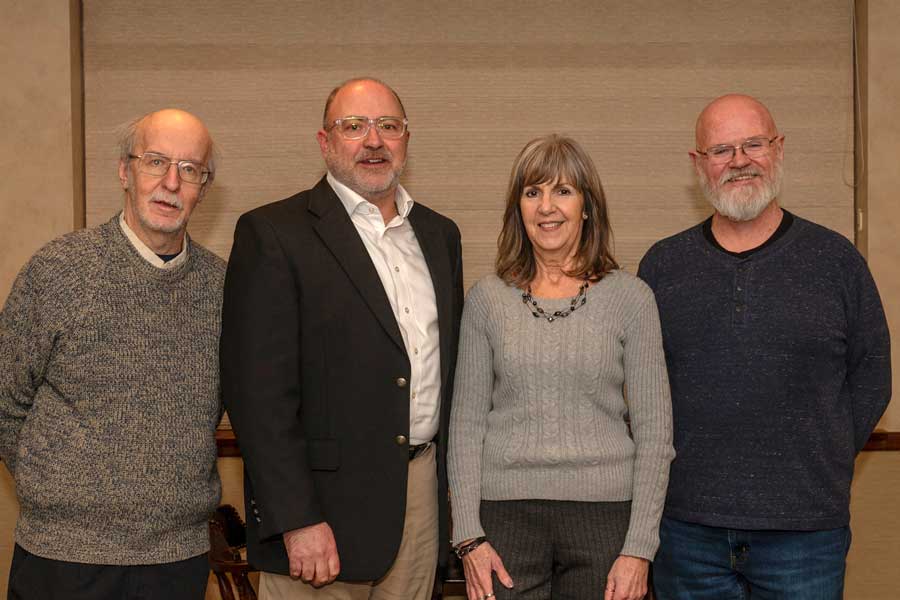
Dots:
{"x": 744, "y": 203}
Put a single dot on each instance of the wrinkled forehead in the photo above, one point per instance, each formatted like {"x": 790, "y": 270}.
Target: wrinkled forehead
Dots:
{"x": 178, "y": 140}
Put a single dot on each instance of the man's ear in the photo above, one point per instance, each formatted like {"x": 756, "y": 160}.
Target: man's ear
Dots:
{"x": 123, "y": 174}
{"x": 322, "y": 138}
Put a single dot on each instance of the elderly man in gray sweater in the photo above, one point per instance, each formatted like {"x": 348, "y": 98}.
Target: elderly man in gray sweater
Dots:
{"x": 109, "y": 388}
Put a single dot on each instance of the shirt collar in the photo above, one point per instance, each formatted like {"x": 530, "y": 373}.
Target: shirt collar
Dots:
{"x": 148, "y": 254}
{"x": 351, "y": 200}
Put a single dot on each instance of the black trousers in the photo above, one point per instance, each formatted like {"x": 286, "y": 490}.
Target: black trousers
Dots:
{"x": 34, "y": 578}
{"x": 555, "y": 549}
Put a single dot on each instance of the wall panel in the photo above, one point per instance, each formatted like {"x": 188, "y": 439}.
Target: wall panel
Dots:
{"x": 478, "y": 81}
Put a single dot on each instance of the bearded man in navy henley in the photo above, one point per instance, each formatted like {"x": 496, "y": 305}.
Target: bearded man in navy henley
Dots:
{"x": 779, "y": 362}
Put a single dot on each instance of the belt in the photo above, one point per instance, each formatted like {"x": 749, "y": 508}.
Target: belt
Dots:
{"x": 418, "y": 450}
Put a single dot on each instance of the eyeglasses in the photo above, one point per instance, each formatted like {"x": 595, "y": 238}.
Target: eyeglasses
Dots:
{"x": 158, "y": 165}
{"x": 356, "y": 128}
{"x": 755, "y": 147}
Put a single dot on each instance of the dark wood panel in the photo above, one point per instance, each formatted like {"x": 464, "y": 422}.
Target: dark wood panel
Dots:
{"x": 880, "y": 441}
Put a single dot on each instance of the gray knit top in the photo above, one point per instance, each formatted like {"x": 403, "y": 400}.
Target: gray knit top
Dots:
{"x": 109, "y": 400}
{"x": 539, "y": 410}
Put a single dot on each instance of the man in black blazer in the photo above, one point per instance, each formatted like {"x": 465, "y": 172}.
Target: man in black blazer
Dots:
{"x": 340, "y": 323}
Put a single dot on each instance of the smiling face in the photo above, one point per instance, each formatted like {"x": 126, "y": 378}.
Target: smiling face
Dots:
{"x": 157, "y": 208}
{"x": 743, "y": 187}
{"x": 552, "y": 216}
{"x": 370, "y": 166}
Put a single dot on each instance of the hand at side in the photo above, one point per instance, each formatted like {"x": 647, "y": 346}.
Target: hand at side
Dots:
{"x": 627, "y": 579}
{"x": 478, "y": 566}
{"x": 313, "y": 554}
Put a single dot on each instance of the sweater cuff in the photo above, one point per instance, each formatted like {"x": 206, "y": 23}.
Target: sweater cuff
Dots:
{"x": 641, "y": 546}
{"x": 466, "y": 530}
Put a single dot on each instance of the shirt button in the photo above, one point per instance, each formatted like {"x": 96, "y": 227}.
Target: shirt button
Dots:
{"x": 397, "y": 269}
{"x": 415, "y": 351}
{"x": 413, "y": 395}
{"x": 401, "y": 382}
{"x": 400, "y": 440}
{"x": 406, "y": 309}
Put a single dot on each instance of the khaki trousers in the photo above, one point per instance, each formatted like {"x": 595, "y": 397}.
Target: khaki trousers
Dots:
{"x": 411, "y": 577}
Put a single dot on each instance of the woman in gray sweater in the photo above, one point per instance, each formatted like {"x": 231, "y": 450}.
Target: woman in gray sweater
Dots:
{"x": 557, "y": 481}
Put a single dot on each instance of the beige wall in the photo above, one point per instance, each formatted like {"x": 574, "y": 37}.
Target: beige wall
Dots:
{"x": 40, "y": 118}
{"x": 875, "y": 554}
{"x": 883, "y": 156}
{"x": 40, "y": 153}
{"x": 627, "y": 79}
{"x": 41, "y": 144}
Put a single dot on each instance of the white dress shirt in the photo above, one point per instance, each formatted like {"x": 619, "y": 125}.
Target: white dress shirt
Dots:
{"x": 401, "y": 266}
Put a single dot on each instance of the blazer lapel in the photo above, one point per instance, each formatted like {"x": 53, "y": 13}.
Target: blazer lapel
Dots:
{"x": 340, "y": 236}
{"x": 434, "y": 248}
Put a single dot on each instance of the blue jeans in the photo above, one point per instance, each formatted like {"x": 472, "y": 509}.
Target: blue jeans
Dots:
{"x": 696, "y": 562}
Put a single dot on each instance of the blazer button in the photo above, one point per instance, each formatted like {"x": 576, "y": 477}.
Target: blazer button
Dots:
{"x": 401, "y": 440}
{"x": 401, "y": 382}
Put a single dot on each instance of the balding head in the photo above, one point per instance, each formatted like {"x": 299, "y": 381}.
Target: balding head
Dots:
{"x": 350, "y": 83}
{"x": 169, "y": 122}
{"x": 726, "y": 114}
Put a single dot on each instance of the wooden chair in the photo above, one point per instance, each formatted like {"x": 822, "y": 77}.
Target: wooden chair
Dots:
{"x": 454, "y": 583}
{"x": 225, "y": 556}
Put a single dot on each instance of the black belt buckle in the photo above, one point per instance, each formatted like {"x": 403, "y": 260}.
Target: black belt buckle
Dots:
{"x": 418, "y": 450}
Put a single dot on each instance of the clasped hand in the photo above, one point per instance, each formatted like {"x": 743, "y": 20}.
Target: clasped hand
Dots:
{"x": 313, "y": 554}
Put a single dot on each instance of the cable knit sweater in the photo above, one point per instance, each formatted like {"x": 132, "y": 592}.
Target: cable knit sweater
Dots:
{"x": 109, "y": 399}
{"x": 539, "y": 410}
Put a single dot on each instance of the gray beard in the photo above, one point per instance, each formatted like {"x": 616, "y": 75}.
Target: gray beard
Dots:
{"x": 743, "y": 204}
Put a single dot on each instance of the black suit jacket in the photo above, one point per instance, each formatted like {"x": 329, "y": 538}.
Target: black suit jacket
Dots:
{"x": 312, "y": 360}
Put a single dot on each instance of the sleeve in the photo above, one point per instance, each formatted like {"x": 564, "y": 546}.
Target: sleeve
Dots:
{"x": 468, "y": 419}
{"x": 868, "y": 382}
{"x": 260, "y": 354}
{"x": 650, "y": 410}
{"x": 646, "y": 270}
{"x": 25, "y": 349}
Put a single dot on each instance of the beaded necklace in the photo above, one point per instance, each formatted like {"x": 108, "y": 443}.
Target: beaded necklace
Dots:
{"x": 538, "y": 312}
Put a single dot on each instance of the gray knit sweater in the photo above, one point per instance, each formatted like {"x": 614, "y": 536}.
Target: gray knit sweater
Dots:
{"x": 539, "y": 411}
{"x": 109, "y": 399}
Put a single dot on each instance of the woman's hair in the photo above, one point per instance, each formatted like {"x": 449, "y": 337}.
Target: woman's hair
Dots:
{"x": 544, "y": 160}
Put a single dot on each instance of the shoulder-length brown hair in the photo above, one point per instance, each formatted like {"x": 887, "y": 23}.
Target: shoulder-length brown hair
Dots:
{"x": 544, "y": 160}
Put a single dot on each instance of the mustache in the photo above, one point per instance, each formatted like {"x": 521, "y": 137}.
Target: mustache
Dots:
{"x": 167, "y": 197}
{"x": 733, "y": 174}
{"x": 383, "y": 154}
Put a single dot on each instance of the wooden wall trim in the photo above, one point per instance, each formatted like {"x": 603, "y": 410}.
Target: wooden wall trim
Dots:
{"x": 227, "y": 443}
{"x": 879, "y": 441}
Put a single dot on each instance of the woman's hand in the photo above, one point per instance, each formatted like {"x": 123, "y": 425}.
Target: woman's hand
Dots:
{"x": 478, "y": 565}
{"x": 627, "y": 579}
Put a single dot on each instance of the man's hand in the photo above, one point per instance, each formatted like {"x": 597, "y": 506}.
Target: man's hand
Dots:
{"x": 627, "y": 579}
{"x": 313, "y": 554}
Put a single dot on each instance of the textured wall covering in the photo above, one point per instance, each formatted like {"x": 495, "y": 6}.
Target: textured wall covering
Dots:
{"x": 40, "y": 123}
{"x": 478, "y": 79}
{"x": 627, "y": 79}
